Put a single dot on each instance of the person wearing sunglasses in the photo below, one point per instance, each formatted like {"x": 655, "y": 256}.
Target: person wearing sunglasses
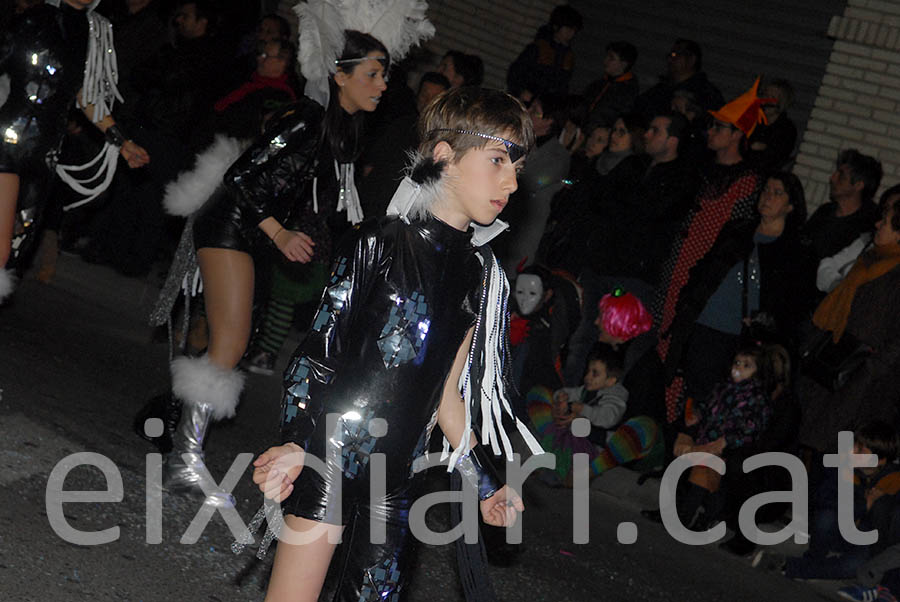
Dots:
{"x": 684, "y": 71}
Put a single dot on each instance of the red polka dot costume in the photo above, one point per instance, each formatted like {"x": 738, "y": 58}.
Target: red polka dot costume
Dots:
{"x": 727, "y": 192}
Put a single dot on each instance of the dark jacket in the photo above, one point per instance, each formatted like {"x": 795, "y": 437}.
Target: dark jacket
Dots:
{"x": 598, "y": 225}
{"x": 544, "y": 66}
{"x": 398, "y": 306}
{"x": 781, "y": 293}
{"x": 386, "y": 156}
{"x": 779, "y": 137}
{"x": 268, "y": 173}
{"x": 827, "y": 234}
{"x": 784, "y": 293}
{"x": 139, "y": 39}
{"x": 43, "y": 54}
{"x": 274, "y": 178}
{"x": 658, "y": 99}
{"x": 734, "y": 243}
{"x": 609, "y": 98}
{"x": 824, "y": 234}
{"x": 577, "y": 234}
{"x": 174, "y": 91}
{"x": 874, "y": 389}
{"x": 641, "y": 220}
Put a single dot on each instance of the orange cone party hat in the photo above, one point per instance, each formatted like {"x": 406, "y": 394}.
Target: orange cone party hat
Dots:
{"x": 745, "y": 111}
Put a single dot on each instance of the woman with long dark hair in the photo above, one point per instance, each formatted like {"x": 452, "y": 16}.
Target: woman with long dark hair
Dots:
{"x": 292, "y": 188}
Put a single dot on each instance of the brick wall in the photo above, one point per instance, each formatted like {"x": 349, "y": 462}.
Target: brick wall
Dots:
{"x": 857, "y": 103}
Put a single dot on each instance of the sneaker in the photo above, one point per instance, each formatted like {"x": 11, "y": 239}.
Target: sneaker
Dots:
{"x": 262, "y": 362}
{"x": 769, "y": 561}
{"x": 861, "y": 593}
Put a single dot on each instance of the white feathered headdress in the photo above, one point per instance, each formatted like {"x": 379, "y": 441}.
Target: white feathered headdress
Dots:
{"x": 398, "y": 24}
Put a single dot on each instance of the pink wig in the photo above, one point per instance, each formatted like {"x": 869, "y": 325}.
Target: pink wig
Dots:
{"x": 624, "y": 316}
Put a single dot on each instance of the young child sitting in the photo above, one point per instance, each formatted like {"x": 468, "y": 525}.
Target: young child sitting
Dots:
{"x": 601, "y": 399}
{"x": 737, "y": 409}
{"x": 875, "y": 501}
{"x": 735, "y": 414}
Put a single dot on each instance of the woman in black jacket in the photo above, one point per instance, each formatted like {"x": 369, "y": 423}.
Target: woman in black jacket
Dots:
{"x": 289, "y": 188}
{"x": 751, "y": 275}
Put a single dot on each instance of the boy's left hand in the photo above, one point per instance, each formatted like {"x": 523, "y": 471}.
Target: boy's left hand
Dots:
{"x": 502, "y": 508}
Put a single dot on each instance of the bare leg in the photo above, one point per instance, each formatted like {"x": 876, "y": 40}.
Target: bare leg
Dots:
{"x": 228, "y": 291}
{"x": 209, "y": 387}
{"x": 298, "y": 572}
{"x": 9, "y": 194}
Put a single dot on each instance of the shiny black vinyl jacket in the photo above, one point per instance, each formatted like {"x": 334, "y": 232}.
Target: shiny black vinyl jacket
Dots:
{"x": 43, "y": 53}
{"x": 393, "y": 316}
{"x": 275, "y": 178}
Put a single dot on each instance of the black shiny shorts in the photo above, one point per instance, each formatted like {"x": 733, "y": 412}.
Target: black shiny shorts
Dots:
{"x": 7, "y": 161}
{"x": 364, "y": 567}
{"x": 219, "y": 225}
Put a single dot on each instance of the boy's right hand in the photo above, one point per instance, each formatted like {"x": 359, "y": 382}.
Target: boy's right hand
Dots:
{"x": 276, "y": 469}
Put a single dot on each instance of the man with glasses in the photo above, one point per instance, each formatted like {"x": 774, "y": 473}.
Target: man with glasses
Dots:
{"x": 641, "y": 225}
{"x": 684, "y": 71}
{"x": 728, "y": 191}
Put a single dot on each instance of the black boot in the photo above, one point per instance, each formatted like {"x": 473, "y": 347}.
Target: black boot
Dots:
{"x": 689, "y": 503}
{"x": 167, "y": 408}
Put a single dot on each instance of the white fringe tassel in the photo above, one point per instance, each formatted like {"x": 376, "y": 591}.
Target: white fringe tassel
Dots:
{"x": 101, "y": 69}
{"x": 494, "y": 403}
{"x": 348, "y": 196}
{"x": 108, "y": 158}
{"x": 98, "y": 89}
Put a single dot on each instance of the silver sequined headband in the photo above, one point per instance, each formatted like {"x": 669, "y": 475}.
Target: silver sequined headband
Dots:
{"x": 515, "y": 151}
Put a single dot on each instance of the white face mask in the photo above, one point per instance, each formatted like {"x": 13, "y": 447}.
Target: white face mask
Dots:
{"x": 529, "y": 293}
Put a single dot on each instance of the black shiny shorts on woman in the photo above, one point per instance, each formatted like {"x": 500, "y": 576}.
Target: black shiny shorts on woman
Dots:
{"x": 218, "y": 224}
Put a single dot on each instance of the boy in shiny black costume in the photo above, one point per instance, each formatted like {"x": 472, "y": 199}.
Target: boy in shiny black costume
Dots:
{"x": 411, "y": 332}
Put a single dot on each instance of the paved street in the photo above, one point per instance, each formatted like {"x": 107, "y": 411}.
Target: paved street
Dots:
{"x": 78, "y": 360}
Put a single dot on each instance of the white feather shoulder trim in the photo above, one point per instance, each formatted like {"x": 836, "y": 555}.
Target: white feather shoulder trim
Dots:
{"x": 7, "y": 283}
{"x": 190, "y": 190}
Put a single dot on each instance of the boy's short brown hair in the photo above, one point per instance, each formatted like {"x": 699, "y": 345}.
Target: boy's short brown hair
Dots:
{"x": 481, "y": 110}
{"x": 611, "y": 359}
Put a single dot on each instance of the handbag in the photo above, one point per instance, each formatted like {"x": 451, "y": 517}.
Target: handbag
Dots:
{"x": 833, "y": 364}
